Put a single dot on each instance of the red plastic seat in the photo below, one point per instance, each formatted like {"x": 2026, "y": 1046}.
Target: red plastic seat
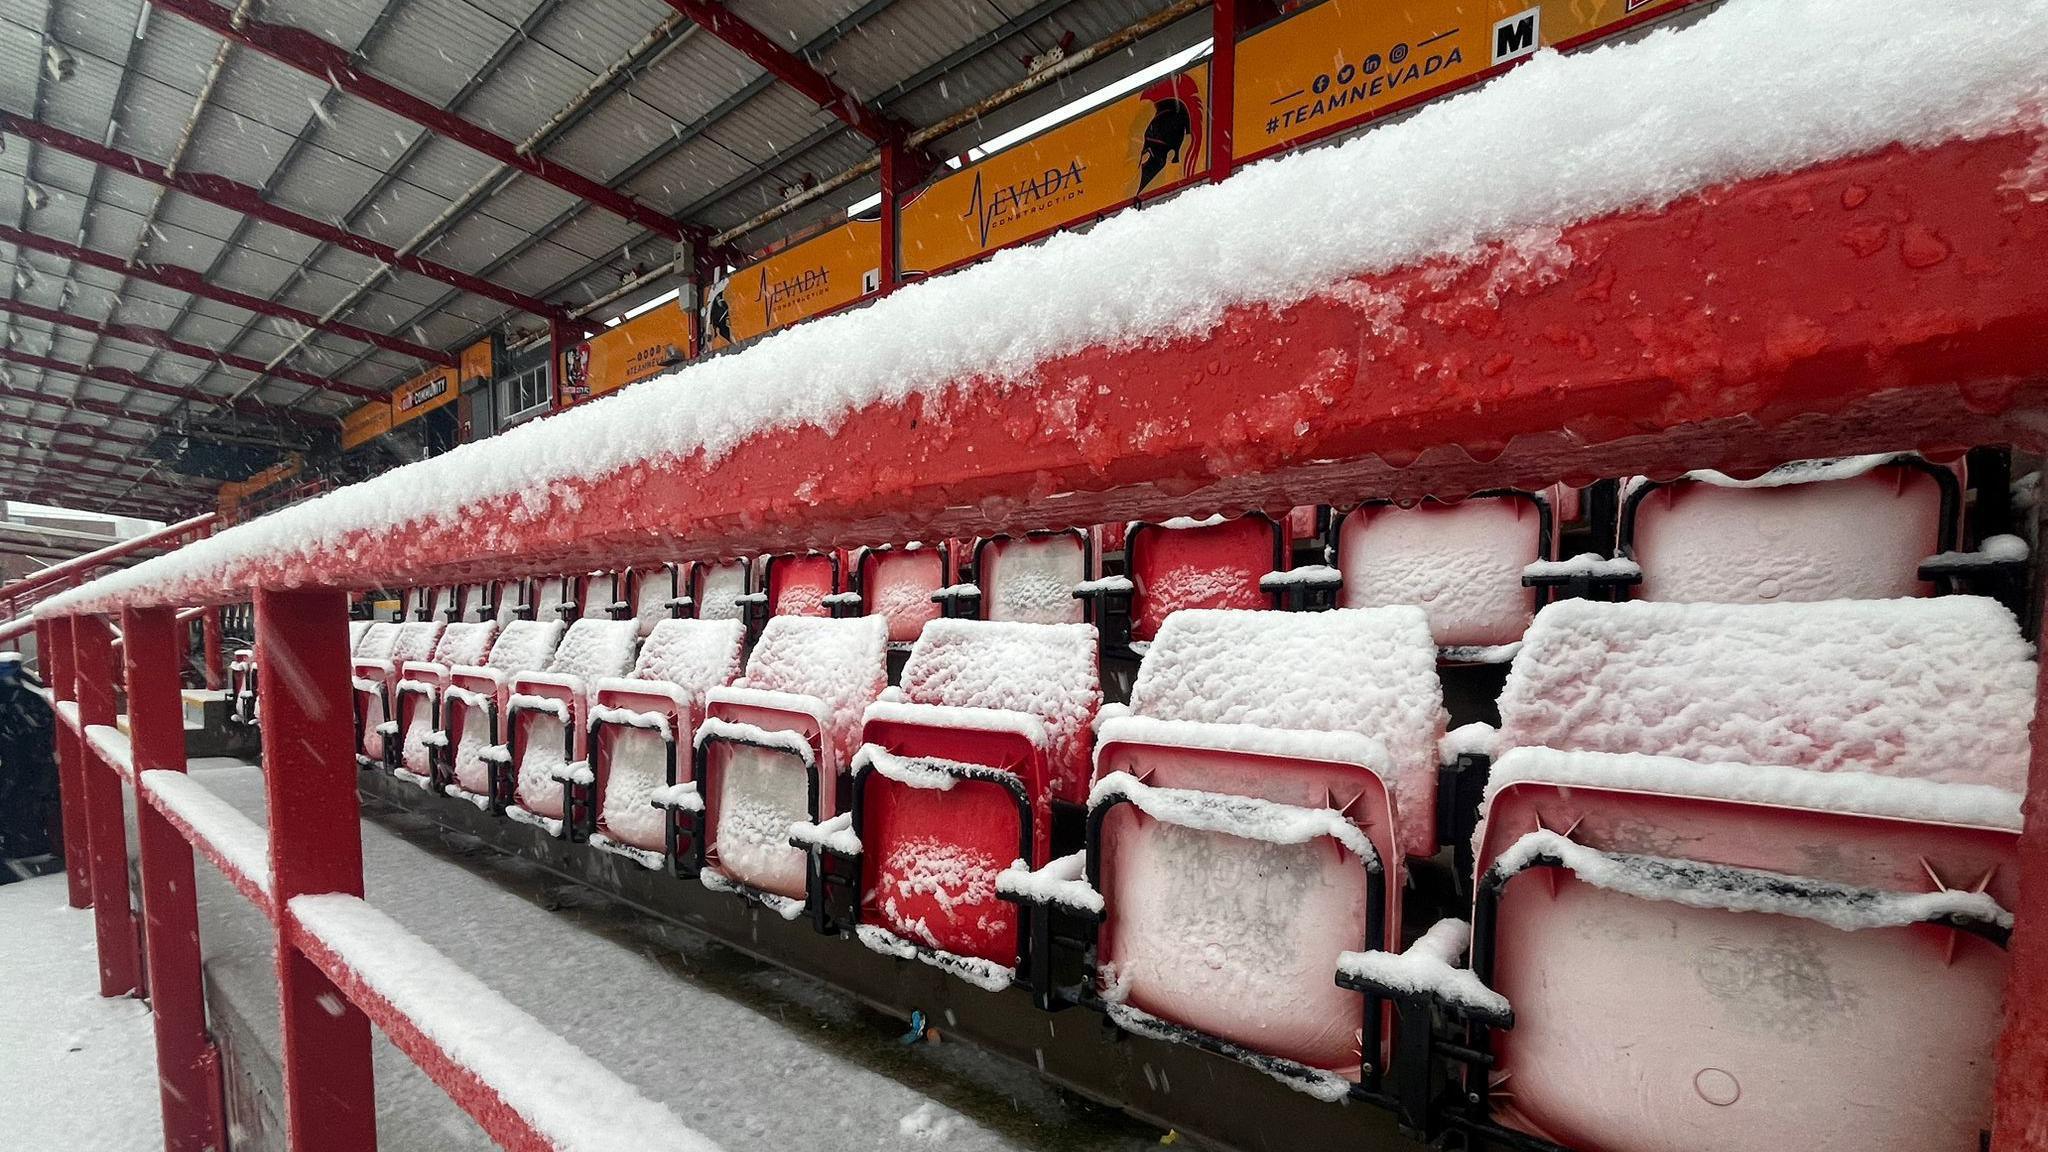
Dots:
{"x": 1213, "y": 563}
{"x": 799, "y": 584}
{"x": 416, "y": 702}
{"x": 648, "y": 593}
{"x": 1030, "y": 579}
{"x": 374, "y": 672}
{"x": 1777, "y": 843}
{"x": 474, "y": 699}
{"x": 773, "y": 748}
{"x": 636, "y": 725}
{"x": 956, "y": 780}
{"x": 556, "y": 597}
{"x": 1248, "y": 824}
{"x": 1856, "y": 528}
{"x": 1461, "y": 563}
{"x": 897, "y": 584}
{"x": 716, "y": 588}
{"x": 508, "y": 602}
{"x": 546, "y": 715}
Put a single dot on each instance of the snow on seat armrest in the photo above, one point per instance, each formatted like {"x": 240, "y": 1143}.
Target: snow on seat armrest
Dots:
{"x": 958, "y": 592}
{"x": 679, "y": 797}
{"x": 1591, "y": 568}
{"x": 1428, "y": 970}
{"x": 1106, "y": 586}
{"x": 1062, "y": 883}
{"x": 1307, "y": 576}
{"x": 835, "y": 837}
{"x": 468, "y": 1035}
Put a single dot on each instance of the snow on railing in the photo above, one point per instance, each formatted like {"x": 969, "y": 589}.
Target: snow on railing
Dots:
{"x": 526, "y": 1085}
{"x": 236, "y": 845}
{"x": 112, "y": 745}
{"x": 1555, "y": 143}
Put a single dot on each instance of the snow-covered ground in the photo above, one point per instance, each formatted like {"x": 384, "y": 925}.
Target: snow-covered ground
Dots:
{"x": 77, "y": 1073}
{"x": 757, "y": 1058}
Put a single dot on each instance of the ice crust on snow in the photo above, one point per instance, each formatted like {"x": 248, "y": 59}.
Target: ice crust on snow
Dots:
{"x": 1939, "y": 689}
{"x": 525, "y": 646}
{"x": 571, "y": 1099}
{"x": 1429, "y": 967}
{"x": 1560, "y": 139}
{"x": 692, "y": 654}
{"x": 1370, "y": 672}
{"x": 465, "y": 643}
{"x": 1747, "y": 889}
{"x": 1896, "y": 797}
{"x": 377, "y": 640}
{"x": 1043, "y": 671}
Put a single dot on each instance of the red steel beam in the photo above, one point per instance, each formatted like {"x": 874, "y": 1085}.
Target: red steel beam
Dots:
{"x": 335, "y": 65}
{"x": 155, "y": 338}
{"x": 791, "y": 69}
{"x": 242, "y": 198}
{"x": 1729, "y": 330}
{"x": 123, "y": 376}
{"x": 94, "y": 669}
{"x": 187, "y": 280}
{"x": 53, "y": 648}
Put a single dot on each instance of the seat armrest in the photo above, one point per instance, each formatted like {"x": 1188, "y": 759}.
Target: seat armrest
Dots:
{"x": 1587, "y": 576}
{"x": 1429, "y": 972}
{"x": 842, "y": 605}
{"x": 959, "y": 601}
{"x": 1061, "y": 885}
{"x": 834, "y": 837}
{"x": 1311, "y": 588}
{"x": 1109, "y": 609}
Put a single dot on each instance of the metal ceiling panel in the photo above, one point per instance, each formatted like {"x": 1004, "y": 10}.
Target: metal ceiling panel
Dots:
{"x": 343, "y": 22}
{"x": 432, "y": 47}
{"x": 534, "y": 83}
{"x": 602, "y": 30}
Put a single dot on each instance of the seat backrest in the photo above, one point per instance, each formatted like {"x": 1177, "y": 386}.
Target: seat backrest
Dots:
{"x": 897, "y": 585}
{"x": 600, "y": 591}
{"x": 524, "y": 646}
{"x": 507, "y": 599}
{"x": 1030, "y": 579}
{"x": 1368, "y": 671}
{"x": 357, "y": 629}
{"x": 716, "y": 586}
{"x": 594, "y": 649}
{"x": 416, "y": 640}
{"x": 692, "y": 654}
{"x": 1044, "y": 670}
{"x": 378, "y": 640}
{"x": 1941, "y": 689}
{"x": 550, "y": 593}
{"x": 647, "y": 592}
{"x": 1855, "y": 528}
{"x": 844, "y": 663}
{"x": 1213, "y": 563}
{"x": 471, "y": 600}
{"x": 797, "y": 584}
{"x": 417, "y": 601}
{"x": 466, "y": 642}
{"x": 1461, "y": 563}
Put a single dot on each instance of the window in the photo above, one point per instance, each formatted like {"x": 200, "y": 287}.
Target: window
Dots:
{"x": 523, "y": 394}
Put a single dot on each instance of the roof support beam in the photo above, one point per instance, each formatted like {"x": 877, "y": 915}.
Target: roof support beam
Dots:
{"x": 129, "y": 379}
{"x": 186, "y": 280}
{"x": 249, "y": 201}
{"x": 69, "y": 452}
{"x": 153, "y": 338}
{"x": 81, "y": 403}
{"x": 103, "y": 474}
{"x": 337, "y": 66}
{"x": 791, "y": 69}
{"x": 97, "y": 435}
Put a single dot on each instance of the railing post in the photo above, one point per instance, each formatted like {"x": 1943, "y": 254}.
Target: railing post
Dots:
{"x": 316, "y": 846}
{"x": 188, "y": 1064}
{"x": 93, "y": 673}
{"x": 216, "y": 665}
{"x": 70, "y": 765}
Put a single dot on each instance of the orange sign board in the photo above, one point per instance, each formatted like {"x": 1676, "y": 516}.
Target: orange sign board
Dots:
{"x": 1137, "y": 147}
{"x": 422, "y": 394}
{"x": 1346, "y": 61}
{"x": 826, "y": 272}
{"x": 476, "y": 361}
{"x": 647, "y": 345}
{"x": 365, "y": 424}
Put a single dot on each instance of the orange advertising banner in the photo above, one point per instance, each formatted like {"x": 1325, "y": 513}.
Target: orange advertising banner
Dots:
{"x": 1343, "y": 62}
{"x": 477, "y": 361}
{"x": 365, "y": 424}
{"x": 1135, "y": 148}
{"x": 647, "y": 345}
{"x": 422, "y": 394}
{"x": 822, "y": 274}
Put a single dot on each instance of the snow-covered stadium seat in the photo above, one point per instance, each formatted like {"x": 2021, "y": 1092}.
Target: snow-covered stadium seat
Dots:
{"x": 650, "y": 595}
{"x": 898, "y": 584}
{"x": 1777, "y": 843}
{"x": 635, "y": 726}
{"x": 546, "y": 716}
{"x": 370, "y": 668}
{"x": 418, "y": 604}
{"x": 1212, "y": 563}
{"x": 242, "y": 684}
{"x": 955, "y": 782}
{"x": 799, "y": 584}
{"x": 717, "y": 588}
{"x": 1027, "y": 579}
{"x": 474, "y": 699}
{"x": 1248, "y": 823}
{"x": 509, "y": 602}
{"x": 357, "y": 629}
{"x": 416, "y": 701}
{"x": 597, "y": 593}
{"x": 773, "y": 749}
{"x": 557, "y": 597}
{"x": 1460, "y": 562}
{"x": 1853, "y": 528}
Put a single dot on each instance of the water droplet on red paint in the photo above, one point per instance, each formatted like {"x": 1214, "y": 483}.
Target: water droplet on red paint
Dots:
{"x": 1854, "y": 196}
{"x": 1921, "y": 248}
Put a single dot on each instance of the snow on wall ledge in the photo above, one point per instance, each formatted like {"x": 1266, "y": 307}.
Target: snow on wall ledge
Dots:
{"x": 1483, "y": 184}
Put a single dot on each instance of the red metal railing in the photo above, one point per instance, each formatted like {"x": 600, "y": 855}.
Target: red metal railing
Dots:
{"x": 18, "y": 598}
